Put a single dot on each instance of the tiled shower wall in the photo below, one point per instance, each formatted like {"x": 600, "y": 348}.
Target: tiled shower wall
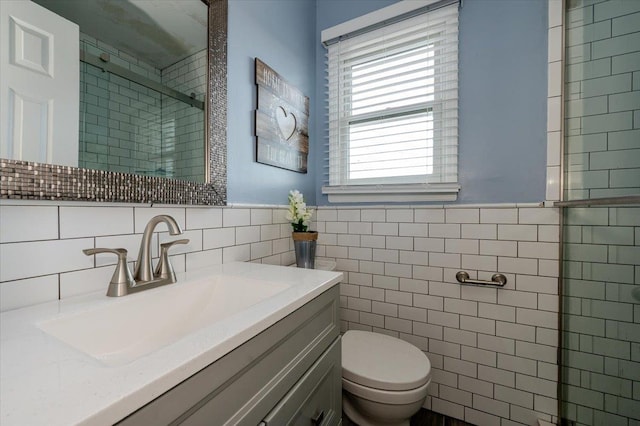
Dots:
{"x": 119, "y": 120}
{"x": 602, "y": 99}
{"x": 493, "y": 351}
{"x": 182, "y": 124}
{"x": 41, "y": 244}
{"x": 126, "y": 127}
{"x": 601, "y": 341}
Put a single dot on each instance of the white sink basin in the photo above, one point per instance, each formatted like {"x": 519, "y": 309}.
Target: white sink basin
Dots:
{"x": 129, "y": 327}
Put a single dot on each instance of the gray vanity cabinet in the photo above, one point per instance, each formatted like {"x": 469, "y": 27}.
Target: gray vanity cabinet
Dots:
{"x": 288, "y": 374}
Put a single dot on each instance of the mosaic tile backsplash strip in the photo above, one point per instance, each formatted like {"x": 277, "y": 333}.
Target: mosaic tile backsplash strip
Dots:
{"x": 33, "y": 181}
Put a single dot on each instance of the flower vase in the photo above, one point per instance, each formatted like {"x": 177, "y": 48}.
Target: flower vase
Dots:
{"x": 305, "y": 247}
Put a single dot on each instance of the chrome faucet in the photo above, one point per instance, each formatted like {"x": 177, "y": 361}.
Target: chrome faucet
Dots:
{"x": 123, "y": 282}
{"x": 144, "y": 270}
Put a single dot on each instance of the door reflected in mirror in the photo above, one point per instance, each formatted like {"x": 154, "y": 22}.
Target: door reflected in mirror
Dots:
{"x": 142, "y": 85}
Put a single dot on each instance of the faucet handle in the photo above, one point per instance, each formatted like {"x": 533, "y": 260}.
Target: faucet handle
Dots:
{"x": 122, "y": 278}
{"x": 164, "y": 268}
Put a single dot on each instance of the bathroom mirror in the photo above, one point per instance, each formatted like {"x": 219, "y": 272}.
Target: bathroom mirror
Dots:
{"x": 152, "y": 122}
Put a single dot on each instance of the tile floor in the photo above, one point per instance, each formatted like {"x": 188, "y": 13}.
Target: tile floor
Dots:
{"x": 423, "y": 418}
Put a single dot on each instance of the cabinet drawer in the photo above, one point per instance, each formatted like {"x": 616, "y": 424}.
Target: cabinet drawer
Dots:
{"x": 317, "y": 398}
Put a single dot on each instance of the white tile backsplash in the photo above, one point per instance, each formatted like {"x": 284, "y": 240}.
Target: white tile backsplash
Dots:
{"x": 359, "y": 228}
{"x": 399, "y": 215}
{"x": 553, "y": 183}
{"x": 216, "y": 238}
{"x": 200, "y": 259}
{"x": 484, "y": 231}
{"x": 240, "y": 253}
{"x": 202, "y": 218}
{"x": 348, "y": 215}
{"x": 413, "y": 229}
{"x": 400, "y": 243}
{"x": 429, "y": 215}
{"x": 28, "y": 223}
{"x": 236, "y": 217}
{"x": 263, "y": 249}
{"x": 95, "y": 221}
{"x": 87, "y": 280}
{"x": 538, "y": 250}
{"x": 537, "y": 284}
{"x": 261, "y": 216}
{"x": 142, "y": 215}
{"x": 518, "y": 232}
{"x": 32, "y": 259}
{"x": 475, "y": 262}
{"x": 498, "y": 248}
{"x": 373, "y": 215}
{"x": 462, "y": 215}
{"x": 45, "y": 262}
{"x": 130, "y": 242}
{"x": 506, "y": 215}
{"x": 554, "y": 148}
{"x": 462, "y": 246}
{"x": 26, "y": 292}
{"x": 449, "y": 230}
{"x": 195, "y": 241}
{"x": 385, "y": 228}
{"x": 247, "y": 234}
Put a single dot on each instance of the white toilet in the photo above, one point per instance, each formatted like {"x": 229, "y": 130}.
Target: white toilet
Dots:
{"x": 384, "y": 379}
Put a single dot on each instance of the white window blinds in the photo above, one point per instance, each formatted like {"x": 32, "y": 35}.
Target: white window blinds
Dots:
{"x": 393, "y": 104}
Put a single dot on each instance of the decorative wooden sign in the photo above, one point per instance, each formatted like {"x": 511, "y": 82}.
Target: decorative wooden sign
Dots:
{"x": 282, "y": 121}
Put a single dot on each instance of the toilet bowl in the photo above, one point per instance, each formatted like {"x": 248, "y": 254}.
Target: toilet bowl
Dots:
{"x": 384, "y": 379}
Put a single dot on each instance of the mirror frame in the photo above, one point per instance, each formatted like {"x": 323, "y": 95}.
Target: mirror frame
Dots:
{"x": 37, "y": 181}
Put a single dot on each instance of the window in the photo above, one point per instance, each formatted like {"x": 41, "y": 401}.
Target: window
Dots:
{"x": 393, "y": 110}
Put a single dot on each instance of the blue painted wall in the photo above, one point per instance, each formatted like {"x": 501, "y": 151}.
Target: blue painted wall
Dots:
{"x": 503, "y": 87}
{"x": 503, "y": 95}
{"x": 280, "y": 33}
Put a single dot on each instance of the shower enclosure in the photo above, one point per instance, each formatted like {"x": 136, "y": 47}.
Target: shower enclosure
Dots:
{"x": 600, "y": 290}
{"x": 137, "y": 118}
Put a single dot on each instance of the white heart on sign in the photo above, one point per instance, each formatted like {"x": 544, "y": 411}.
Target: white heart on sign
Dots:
{"x": 286, "y": 123}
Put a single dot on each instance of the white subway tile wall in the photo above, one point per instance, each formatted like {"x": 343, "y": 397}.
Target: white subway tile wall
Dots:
{"x": 41, "y": 255}
{"x": 602, "y": 99}
{"x": 601, "y": 321}
{"x": 120, "y": 121}
{"x": 554, "y": 98}
{"x": 493, "y": 351}
{"x": 182, "y": 124}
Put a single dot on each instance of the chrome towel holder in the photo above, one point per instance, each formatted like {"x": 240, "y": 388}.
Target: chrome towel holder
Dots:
{"x": 498, "y": 280}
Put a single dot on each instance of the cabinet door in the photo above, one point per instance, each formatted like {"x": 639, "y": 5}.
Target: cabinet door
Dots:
{"x": 242, "y": 387}
{"x": 317, "y": 398}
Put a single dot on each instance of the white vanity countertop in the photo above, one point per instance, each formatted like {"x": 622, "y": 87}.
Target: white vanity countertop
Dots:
{"x": 45, "y": 381}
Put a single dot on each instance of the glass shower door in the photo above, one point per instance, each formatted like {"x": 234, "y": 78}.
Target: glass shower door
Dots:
{"x": 601, "y": 315}
{"x": 600, "y": 371}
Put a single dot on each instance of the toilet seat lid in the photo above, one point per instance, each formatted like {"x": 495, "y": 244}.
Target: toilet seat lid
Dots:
{"x": 383, "y": 362}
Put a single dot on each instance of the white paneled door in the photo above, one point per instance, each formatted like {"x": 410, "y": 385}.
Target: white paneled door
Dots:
{"x": 39, "y": 84}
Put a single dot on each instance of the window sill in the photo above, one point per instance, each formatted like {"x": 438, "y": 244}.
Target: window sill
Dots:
{"x": 392, "y": 193}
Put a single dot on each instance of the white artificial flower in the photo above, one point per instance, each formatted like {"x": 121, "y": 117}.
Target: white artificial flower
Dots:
{"x": 298, "y": 213}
